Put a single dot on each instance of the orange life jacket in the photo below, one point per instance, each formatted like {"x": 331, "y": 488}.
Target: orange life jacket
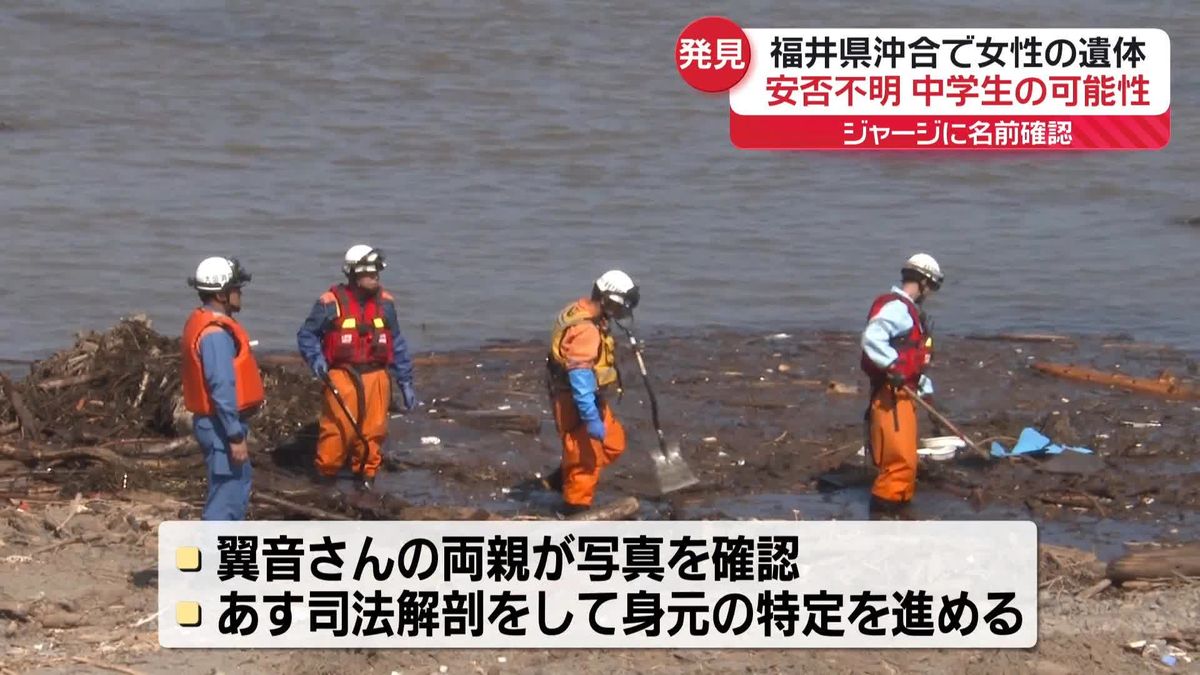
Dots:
{"x": 603, "y": 362}
{"x": 248, "y": 379}
{"x": 360, "y": 335}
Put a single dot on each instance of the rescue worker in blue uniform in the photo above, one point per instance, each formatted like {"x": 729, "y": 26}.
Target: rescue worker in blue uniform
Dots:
{"x": 222, "y": 385}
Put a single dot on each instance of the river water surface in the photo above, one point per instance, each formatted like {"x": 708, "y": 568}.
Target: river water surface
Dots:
{"x": 505, "y": 153}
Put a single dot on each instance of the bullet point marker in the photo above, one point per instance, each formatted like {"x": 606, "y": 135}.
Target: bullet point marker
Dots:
{"x": 187, "y": 559}
{"x": 187, "y": 614}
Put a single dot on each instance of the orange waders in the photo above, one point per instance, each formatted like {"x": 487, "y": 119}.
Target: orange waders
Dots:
{"x": 892, "y": 420}
{"x": 337, "y": 439}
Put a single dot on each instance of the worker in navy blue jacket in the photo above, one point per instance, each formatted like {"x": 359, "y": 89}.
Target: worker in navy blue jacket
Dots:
{"x": 352, "y": 341}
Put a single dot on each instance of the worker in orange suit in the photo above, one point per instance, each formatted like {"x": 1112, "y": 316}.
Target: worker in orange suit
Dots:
{"x": 222, "y": 386}
{"x": 352, "y": 341}
{"x": 896, "y": 349}
{"x": 581, "y": 367}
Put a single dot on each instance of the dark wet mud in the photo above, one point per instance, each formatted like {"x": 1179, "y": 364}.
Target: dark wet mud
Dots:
{"x": 771, "y": 424}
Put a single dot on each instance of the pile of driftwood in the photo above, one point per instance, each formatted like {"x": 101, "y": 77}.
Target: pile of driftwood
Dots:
{"x": 1065, "y": 569}
{"x": 125, "y": 384}
{"x": 106, "y": 416}
{"x": 1147, "y": 565}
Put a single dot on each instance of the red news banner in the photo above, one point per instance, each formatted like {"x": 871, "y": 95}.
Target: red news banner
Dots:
{"x": 934, "y": 89}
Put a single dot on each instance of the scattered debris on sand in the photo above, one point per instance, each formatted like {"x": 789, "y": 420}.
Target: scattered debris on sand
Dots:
{"x": 95, "y": 451}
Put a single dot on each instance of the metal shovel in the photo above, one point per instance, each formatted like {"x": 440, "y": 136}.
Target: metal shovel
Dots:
{"x": 670, "y": 468}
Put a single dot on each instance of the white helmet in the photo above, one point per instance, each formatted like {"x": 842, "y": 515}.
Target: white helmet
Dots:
{"x": 924, "y": 265}
{"x": 363, "y": 258}
{"x": 217, "y": 275}
{"x": 617, "y": 287}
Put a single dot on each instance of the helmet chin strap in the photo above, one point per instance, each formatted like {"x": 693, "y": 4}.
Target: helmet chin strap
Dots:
{"x": 625, "y": 329}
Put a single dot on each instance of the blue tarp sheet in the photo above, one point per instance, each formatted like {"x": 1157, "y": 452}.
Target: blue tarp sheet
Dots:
{"x": 1034, "y": 443}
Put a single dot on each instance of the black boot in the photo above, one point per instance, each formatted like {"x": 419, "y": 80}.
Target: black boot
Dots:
{"x": 885, "y": 509}
{"x": 553, "y": 481}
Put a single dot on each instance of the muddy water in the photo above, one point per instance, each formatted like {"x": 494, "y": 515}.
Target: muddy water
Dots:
{"x": 506, "y": 153}
{"x": 1106, "y": 535}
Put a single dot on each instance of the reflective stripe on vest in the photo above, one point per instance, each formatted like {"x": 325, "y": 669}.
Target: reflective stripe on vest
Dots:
{"x": 359, "y": 335}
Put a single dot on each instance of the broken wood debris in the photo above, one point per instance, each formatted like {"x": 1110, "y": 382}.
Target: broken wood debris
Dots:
{"x": 1168, "y": 562}
{"x": 26, "y": 418}
{"x": 618, "y": 510}
{"x": 1073, "y": 500}
{"x": 498, "y": 420}
{"x": 294, "y": 508}
{"x": 1021, "y": 337}
{"x": 60, "y": 383}
{"x": 1165, "y": 385}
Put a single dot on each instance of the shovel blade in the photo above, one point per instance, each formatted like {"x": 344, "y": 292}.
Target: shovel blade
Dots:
{"x": 672, "y": 471}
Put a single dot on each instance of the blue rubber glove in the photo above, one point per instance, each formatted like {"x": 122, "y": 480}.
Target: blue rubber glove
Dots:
{"x": 320, "y": 368}
{"x": 596, "y": 429}
{"x": 583, "y": 390}
{"x": 409, "y": 394}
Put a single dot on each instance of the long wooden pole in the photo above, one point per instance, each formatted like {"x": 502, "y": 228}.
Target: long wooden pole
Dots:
{"x": 947, "y": 423}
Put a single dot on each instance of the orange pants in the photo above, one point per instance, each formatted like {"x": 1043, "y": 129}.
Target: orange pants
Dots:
{"x": 338, "y": 438}
{"x": 893, "y": 429}
{"x": 583, "y": 457}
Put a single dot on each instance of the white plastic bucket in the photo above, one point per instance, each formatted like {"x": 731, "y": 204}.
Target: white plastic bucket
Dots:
{"x": 941, "y": 448}
{"x": 938, "y": 448}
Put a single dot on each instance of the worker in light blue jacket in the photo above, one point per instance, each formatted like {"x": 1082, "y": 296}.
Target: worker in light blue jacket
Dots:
{"x": 892, "y": 319}
{"x": 896, "y": 349}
